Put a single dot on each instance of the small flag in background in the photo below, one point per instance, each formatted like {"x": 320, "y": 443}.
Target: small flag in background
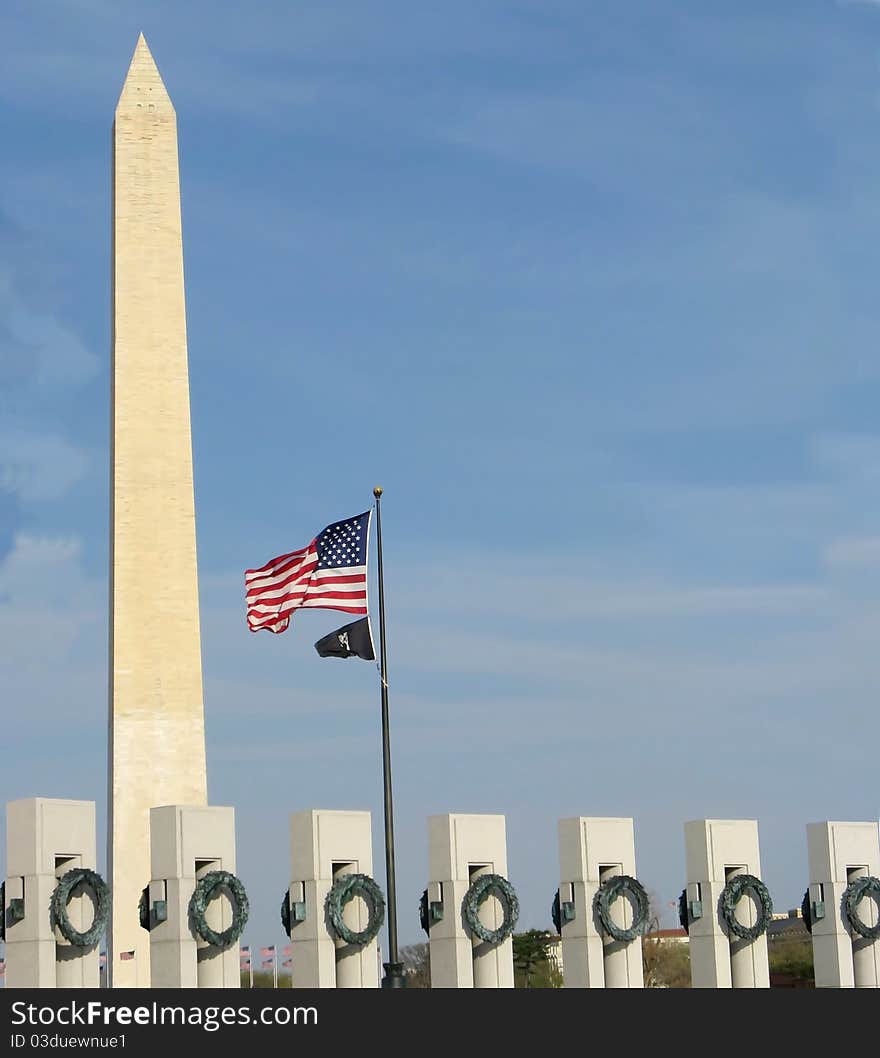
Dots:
{"x": 288, "y": 963}
{"x": 329, "y": 574}
{"x": 268, "y": 953}
{"x": 287, "y": 950}
{"x": 245, "y": 963}
{"x": 354, "y": 640}
{"x": 245, "y": 950}
{"x": 126, "y": 955}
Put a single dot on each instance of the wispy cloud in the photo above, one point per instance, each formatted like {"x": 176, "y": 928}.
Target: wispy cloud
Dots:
{"x": 36, "y": 347}
{"x": 39, "y": 467}
{"x": 52, "y": 635}
{"x": 854, "y": 551}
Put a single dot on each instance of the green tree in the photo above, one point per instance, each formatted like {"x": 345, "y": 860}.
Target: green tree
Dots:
{"x": 666, "y": 962}
{"x": 264, "y": 979}
{"x": 416, "y": 959}
{"x": 532, "y": 968}
{"x": 792, "y": 958}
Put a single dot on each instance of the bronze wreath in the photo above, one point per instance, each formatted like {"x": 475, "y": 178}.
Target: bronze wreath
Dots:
{"x": 853, "y": 895}
{"x": 87, "y": 938}
{"x": 730, "y": 897}
{"x": 205, "y": 890}
{"x": 345, "y": 888}
{"x": 622, "y": 885}
{"x": 478, "y": 894}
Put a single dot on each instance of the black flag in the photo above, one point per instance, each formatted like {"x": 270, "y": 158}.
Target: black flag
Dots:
{"x": 354, "y": 640}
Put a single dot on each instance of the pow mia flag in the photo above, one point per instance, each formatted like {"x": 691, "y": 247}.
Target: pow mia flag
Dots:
{"x": 354, "y": 640}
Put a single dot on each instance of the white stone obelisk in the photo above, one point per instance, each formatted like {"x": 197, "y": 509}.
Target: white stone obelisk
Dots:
{"x": 157, "y": 738}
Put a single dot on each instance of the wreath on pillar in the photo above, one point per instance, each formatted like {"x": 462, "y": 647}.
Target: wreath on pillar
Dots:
{"x": 556, "y": 913}
{"x": 285, "y": 912}
{"x": 855, "y": 892}
{"x": 205, "y": 891}
{"x": 731, "y": 895}
{"x": 612, "y": 888}
{"x": 683, "y": 917}
{"x": 807, "y": 911}
{"x": 424, "y": 917}
{"x": 86, "y": 938}
{"x": 345, "y": 888}
{"x": 478, "y": 894}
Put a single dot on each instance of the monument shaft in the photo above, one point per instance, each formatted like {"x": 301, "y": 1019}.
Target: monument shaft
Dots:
{"x": 157, "y": 740}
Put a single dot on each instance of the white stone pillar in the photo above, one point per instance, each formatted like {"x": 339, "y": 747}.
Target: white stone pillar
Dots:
{"x": 839, "y": 853}
{"x": 460, "y": 849}
{"x": 45, "y": 838}
{"x": 325, "y": 845}
{"x": 592, "y": 850}
{"x": 186, "y": 843}
{"x": 716, "y": 851}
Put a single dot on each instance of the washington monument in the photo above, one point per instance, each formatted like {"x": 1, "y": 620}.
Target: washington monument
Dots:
{"x": 157, "y": 735}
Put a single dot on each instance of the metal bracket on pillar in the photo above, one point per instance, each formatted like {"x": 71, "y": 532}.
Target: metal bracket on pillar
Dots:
{"x": 158, "y": 902}
{"x": 435, "y": 902}
{"x": 14, "y": 908}
{"x": 154, "y": 905}
{"x": 817, "y": 902}
{"x": 296, "y": 899}
{"x": 431, "y": 911}
{"x": 695, "y": 902}
{"x": 10, "y": 912}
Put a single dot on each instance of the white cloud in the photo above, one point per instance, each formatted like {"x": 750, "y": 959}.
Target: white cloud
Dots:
{"x": 39, "y": 467}
{"x": 52, "y": 634}
{"x": 557, "y": 595}
{"x": 851, "y": 457}
{"x": 854, "y": 551}
{"x": 37, "y": 345}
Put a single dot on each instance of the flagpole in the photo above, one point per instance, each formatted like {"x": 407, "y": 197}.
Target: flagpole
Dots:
{"x": 393, "y": 968}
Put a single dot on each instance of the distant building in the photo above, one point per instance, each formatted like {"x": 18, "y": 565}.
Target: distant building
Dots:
{"x": 678, "y": 936}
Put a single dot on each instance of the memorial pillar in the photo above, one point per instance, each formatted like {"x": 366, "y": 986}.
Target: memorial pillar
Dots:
{"x": 46, "y": 838}
{"x": 187, "y": 842}
{"x": 717, "y": 851}
{"x": 839, "y": 855}
{"x": 592, "y": 851}
{"x": 461, "y": 849}
{"x": 326, "y": 846}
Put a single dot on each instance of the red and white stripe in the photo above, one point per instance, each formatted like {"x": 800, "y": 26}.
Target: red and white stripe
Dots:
{"x": 292, "y": 581}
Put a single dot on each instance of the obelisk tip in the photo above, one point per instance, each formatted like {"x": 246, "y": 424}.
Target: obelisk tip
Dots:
{"x": 143, "y": 83}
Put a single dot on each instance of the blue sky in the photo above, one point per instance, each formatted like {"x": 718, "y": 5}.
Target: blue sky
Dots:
{"x": 590, "y": 289}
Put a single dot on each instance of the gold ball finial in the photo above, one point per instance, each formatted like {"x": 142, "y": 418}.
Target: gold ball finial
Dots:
{"x": 377, "y": 491}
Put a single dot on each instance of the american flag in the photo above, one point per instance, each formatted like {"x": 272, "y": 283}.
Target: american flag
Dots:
{"x": 268, "y": 953}
{"x": 287, "y": 962}
{"x": 126, "y": 955}
{"x": 245, "y": 950}
{"x": 287, "y": 949}
{"x": 329, "y": 574}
